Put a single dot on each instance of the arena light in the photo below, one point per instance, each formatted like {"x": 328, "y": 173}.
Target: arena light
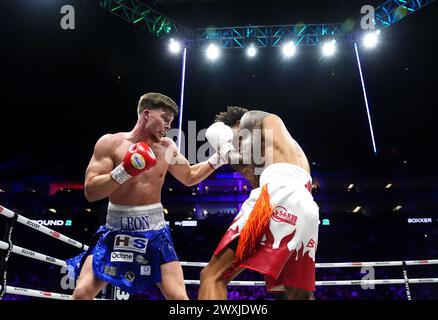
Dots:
{"x": 329, "y": 48}
{"x": 397, "y": 208}
{"x": 350, "y": 187}
{"x": 52, "y": 210}
{"x": 388, "y": 186}
{"x": 251, "y": 51}
{"x": 212, "y": 52}
{"x": 289, "y": 49}
{"x": 370, "y": 39}
{"x": 357, "y": 209}
{"x": 165, "y": 211}
{"x": 174, "y": 46}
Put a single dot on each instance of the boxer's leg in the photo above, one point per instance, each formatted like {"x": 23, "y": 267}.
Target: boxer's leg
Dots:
{"x": 88, "y": 285}
{"x": 299, "y": 294}
{"x": 213, "y": 283}
{"x": 172, "y": 281}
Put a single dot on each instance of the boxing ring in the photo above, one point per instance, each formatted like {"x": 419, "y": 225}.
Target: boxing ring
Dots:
{"x": 9, "y": 248}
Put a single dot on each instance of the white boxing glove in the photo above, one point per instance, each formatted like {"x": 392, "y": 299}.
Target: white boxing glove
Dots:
{"x": 220, "y": 136}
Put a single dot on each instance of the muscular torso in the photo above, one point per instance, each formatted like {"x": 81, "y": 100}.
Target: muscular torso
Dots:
{"x": 145, "y": 188}
{"x": 277, "y": 145}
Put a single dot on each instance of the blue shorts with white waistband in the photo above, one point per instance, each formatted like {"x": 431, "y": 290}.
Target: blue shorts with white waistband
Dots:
{"x": 129, "y": 260}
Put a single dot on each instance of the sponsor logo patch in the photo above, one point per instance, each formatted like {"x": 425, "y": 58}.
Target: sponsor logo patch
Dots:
{"x": 125, "y": 242}
{"x": 138, "y": 161}
{"x": 280, "y": 214}
{"x": 55, "y": 234}
{"x": 129, "y": 275}
{"x": 140, "y": 259}
{"x": 112, "y": 271}
{"x": 117, "y": 256}
{"x": 311, "y": 244}
{"x": 27, "y": 252}
{"x": 33, "y": 224}
{"x": 145, "y": 270}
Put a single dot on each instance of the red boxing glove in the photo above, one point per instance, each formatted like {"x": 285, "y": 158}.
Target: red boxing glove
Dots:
{"x": 138, "y": 158}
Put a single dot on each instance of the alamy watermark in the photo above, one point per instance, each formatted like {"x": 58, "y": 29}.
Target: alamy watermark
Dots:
{"x": 68, "y": 19}
{"x": 254, "y": 147}
{"x": 368, "y": 21}
{"x": 369, "y": 275}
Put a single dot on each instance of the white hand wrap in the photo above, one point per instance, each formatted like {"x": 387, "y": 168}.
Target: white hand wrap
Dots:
{"x": 216, "y": 160}
{"x": 120, "y": 175}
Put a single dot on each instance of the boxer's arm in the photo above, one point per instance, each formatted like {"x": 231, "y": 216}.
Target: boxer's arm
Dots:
{"x": 241, "y": 162}
{"x": 98, "y": 181}
{"x": 181, "y": 169}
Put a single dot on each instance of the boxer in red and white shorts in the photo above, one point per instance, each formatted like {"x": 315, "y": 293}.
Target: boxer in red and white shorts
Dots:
{"x": 276, "y": 230}
{"x": 286, "y": 252}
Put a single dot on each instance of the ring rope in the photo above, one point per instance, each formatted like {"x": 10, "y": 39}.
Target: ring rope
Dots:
{"x": 23, "y": 220}
{"x": 9, "y": 214}
{"x": 52, "y": 295}
{"x": 40, "y": 294}
{"x": 335, "y": 282}
{"x": 42, "y": 257}
{"x": 5, "y": 257}
{"x": 33, "y": 254}
{"x": 345, "y": 264}
{"x": 60, "y": 296}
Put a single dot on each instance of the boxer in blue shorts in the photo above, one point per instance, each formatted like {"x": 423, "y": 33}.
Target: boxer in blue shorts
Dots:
{"x": 134, "y": 249}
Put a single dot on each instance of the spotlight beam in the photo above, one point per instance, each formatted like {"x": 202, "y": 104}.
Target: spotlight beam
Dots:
{"x": 366, "y": 99}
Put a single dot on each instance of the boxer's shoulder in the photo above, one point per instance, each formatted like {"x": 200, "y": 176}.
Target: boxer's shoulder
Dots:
{"x": 111, "y": 138}
{"x": 111, "y": 141}
{"x": 253, "y": 119}
{"x": 272, "y": 121}
{"x": 167, "y": 142}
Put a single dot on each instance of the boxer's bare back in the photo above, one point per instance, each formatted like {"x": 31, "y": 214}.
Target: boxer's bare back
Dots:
{"x": 266, "y": 135}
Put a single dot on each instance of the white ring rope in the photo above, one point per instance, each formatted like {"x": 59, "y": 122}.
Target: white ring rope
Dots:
{"x": 60, "y": 296}
{"x": 334, "y": 283}
{"x": 36, "y": 293}
{"x": 344, "y": 264}
{"x": 52, "y": 295}
{"x": 32, "y": 254}
{"x": 23, "y": 220}
{"x": 39, "y": 294}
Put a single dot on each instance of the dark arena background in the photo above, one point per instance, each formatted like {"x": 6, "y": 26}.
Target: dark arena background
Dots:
{"x": 365, "y": 117}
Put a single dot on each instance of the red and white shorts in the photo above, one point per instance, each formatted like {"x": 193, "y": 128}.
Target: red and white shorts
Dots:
{"x": 286, "y": 255}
